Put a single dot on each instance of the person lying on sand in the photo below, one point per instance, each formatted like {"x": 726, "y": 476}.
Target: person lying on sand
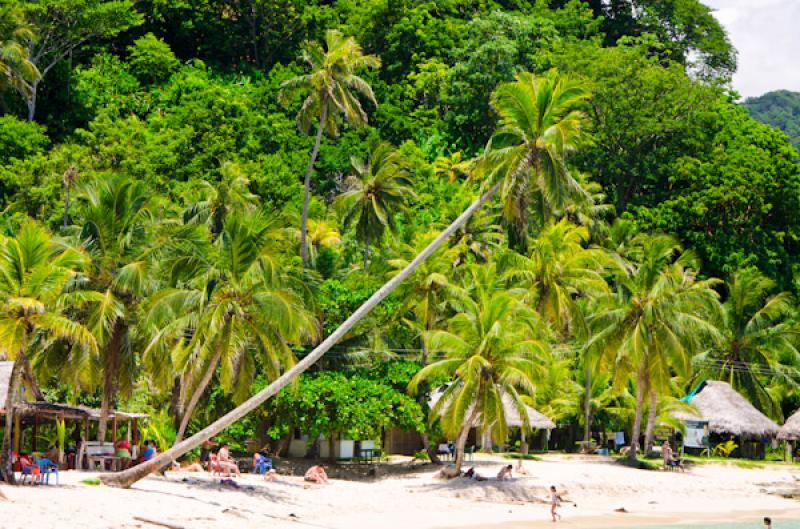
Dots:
{"x": 271, "y": 475}
{"x": 316, "y": 474}
{"x": 471, "y": 474}
{"x": 505, "y": 473}
{"x": 189, "y": 467}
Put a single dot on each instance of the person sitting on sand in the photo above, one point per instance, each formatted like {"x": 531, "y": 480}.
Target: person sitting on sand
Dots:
{"x": 226, "y": 462}
{"x": 316, "y": 474}
{"x": 505, "y": 473}
{"x": 271, "y": 475}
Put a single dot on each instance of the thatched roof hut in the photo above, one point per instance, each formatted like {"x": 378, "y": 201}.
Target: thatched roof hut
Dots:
{"x": 728, "y": 412}
{"x": 790, "y": 431}
{"x": 536, "y": 420}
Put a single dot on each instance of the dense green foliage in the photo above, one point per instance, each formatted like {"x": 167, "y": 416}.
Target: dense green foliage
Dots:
{"x": 231, "y": 179}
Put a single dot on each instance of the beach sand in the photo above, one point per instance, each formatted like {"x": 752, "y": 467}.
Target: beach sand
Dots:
{"x": 714, "y": 492}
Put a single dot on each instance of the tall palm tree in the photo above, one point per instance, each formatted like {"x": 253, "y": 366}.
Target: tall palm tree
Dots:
{"x": 16, "y": 70}
{"x": 115, "y": 227}
{"x": 658, "y": 318}
{"x": 238, "y": 302}
{"x": 215, "y": 201}
{"x": 34, "y": 272}
{"x": 564, "y": 96}
{"x": 330, "y": 89}
{"x": 490, "y": 349}
{"x": 375, "y": 194}
{"x": 759, "y": 345}
{"x": 540, "y": 124}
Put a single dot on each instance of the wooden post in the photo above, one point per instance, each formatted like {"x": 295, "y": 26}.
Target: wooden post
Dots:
{"x": 113, "y": 431}
{"x": 135, "y": 431}
{"x": 16, "y": 433}
{"x": 35, "y": 432}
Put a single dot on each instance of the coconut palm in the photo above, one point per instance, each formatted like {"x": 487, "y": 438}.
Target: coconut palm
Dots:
{"x": 231, "y": 193}
{"x": 115, "y": 220}
{"x": 330, "y": 89}
{"x": 760, "y": 338}
{"x": 540, "y": 124}
{"x": 237, "y": 304}
{"x": 658, "y": 318}
{"x": 374, "y": 194}
{"x": 490, "y": 349}
{"x": 561, "y": 102}
{"x": 16, "y": 70}
{"x": 34, "y": 272}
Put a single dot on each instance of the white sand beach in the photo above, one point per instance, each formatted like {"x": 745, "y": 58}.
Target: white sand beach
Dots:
{"x": 415, "y": 499}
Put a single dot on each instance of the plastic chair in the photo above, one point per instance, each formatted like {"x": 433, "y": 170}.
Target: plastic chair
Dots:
{"x": 47, "y": 467}
{"x": 263, "y": 464}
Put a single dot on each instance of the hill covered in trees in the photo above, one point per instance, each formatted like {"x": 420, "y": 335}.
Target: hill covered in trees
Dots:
{"x": 780, "y": 109}
{"x": 220, "y": 184}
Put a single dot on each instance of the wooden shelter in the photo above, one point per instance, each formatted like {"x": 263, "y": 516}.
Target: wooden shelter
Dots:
{"x": 31, "y": 409}
{"x": 790, "y": 431}
{"x": 536, "y": 419}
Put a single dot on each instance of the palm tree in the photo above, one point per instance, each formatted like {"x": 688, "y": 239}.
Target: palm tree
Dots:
{"x": 16, "y": 70}
{"x": 375, "y": 193}
{"x": 658, "y": 318}
{"x": 540, "y": 123}
{"x": 490, "y": 349}
{"x": 560, "y": 141}
{"x": 215, "y": 201}
{"x": 759, "y": 345}
{"x": 115, "y": 219}
{"x": 34, "y": 271}
{"x": 238, "y": 302}
{"x": 329, "y": 89}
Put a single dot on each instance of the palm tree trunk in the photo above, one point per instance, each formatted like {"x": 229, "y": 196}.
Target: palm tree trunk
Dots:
{"x": 109, "y": 379}
{"x": 461, "y": 439}
{"x": 366, "y": 253}
{"x": 134, "y": 474}
{"x": 637, "y": 420}
{"x": 332, "y": 446}
{"x": 307, "y": 182}
{"x": 422, "y": 399}
{"x": 30, "y": 99}
{"x": 13, "y": 389}
{"x": 66, "y": 205}
{"x": 198, "y": 392}
{"x": 649, "y": 430}
{"x": 587, "y": 407}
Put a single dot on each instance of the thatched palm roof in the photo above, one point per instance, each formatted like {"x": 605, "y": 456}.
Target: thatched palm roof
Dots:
{"x": 728, "y": 412}
{"x": 790, "y": 431}
{"x": 536, "y": 420}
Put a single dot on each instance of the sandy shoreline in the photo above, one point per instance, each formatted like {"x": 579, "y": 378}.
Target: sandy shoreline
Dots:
{"x": 416, "y": 499}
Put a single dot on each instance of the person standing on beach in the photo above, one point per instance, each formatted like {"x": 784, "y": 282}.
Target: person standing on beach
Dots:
{"x": 767, "y": 522}
{"x": 555, "y": 503}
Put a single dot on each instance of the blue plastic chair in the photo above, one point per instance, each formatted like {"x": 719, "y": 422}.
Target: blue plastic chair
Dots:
{"x": 47, "y": 467}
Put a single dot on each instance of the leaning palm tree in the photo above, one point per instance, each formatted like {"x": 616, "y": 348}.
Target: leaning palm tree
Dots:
{"x": 329, "y": 89}
{"x": 34, "y": 271}
{"x": 490, "y": 351}
{"x": 655, "y": 322}
{"x": 561, "y": 101}
{"x": 238, "y": 303}
{"x": 375, "y": 194}
{"x": 760, "y": 338}
{"x": 16, "y": 70}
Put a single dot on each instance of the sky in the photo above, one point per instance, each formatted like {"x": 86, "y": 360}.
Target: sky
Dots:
{"x": 766, "y": 33}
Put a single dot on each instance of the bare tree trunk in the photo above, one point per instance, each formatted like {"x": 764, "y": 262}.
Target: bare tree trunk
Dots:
{"x": 649, "y": 430}
{"x": 13, "y": 389}
{"x": 198, "y": 392}
{"x": 307, "y": 183}
{"x": 30, "y": 100}
{"x": 637, "y": 420}
{"x": 332, "y": 446}
{"x": 134, "y": 474}
{"x": 66, "y": 205}
{"x": 109, "y": 379}
{"x": 175, "y": 406}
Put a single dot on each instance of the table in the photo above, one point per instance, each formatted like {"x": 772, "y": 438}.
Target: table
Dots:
{"x": 368, "y": 455}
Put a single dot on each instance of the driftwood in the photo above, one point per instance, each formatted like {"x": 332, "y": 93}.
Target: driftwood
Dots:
{"x": 156, "y": 522}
